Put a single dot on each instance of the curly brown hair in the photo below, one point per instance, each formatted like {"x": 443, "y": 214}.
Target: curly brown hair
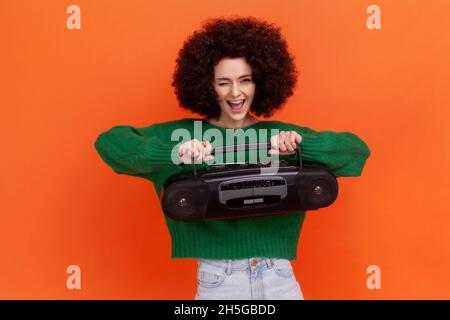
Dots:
{"x": 262, "y": 46}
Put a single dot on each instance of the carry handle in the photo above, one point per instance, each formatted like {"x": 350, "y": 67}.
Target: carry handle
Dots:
{"x": 248, "y": 147}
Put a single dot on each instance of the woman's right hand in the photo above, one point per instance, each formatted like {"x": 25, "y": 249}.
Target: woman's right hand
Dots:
{"x": 195, "y": 150}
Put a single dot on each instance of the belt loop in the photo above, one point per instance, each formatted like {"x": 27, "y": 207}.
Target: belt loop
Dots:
{"x": 270, "y": 263}
{"x": 228, "y": 269}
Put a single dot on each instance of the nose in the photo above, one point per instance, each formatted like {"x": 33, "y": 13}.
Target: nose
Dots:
{"x": 235, "y": 90}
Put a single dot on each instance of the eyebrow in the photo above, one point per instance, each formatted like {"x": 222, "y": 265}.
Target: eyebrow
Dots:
{"x": 247, "y": 75}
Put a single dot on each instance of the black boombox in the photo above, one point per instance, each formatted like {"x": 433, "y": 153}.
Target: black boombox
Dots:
{"x": 234, "y": 191}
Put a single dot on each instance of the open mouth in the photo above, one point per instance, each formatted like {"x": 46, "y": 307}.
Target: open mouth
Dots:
{"x": 236, "y": 106}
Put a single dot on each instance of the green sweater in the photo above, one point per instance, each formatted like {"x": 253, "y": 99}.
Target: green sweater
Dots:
{"x": 147, "y": 153}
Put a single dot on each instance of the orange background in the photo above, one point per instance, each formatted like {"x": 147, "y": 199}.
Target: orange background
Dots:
{"x": 61, "y": 205}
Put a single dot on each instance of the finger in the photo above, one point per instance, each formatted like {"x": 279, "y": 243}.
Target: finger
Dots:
{"x": 287, "y": 142}
{"x": 194, "y": 153}
{"x": 202, "y": 147}
{"x": 208, "y": 147}
{"x": 199, "y": 147}
{"x": 198, "y": 152}
{"x": 292, "y": 139}
{"x": 191, "y": 155}
{"x": 298, "y": 138}
{"x": 181, "y": 150}
{"x": 186, "y": 158}
{"x": 289, "y": 147}
{"x": 274, "y": 142}
{"x": 191, "y": 149}
{"x": 281, "y": 145}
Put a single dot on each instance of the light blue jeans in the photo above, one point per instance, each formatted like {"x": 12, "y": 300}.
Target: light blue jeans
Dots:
{"x": 247, "y": 279}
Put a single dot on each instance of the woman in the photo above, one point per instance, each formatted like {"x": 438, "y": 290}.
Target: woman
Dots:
{"x": 231, "y": 72}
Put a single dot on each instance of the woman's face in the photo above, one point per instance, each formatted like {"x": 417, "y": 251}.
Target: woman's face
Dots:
{"x": 234, "y": 87}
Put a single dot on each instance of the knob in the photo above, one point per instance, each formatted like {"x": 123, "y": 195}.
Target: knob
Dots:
{"x": 182, "y": 202}
{"x": 318, "y": 190}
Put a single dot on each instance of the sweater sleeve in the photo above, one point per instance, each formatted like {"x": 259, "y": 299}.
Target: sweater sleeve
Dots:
{"x": 134, "y": 151}
{"x": 344, "y": 153}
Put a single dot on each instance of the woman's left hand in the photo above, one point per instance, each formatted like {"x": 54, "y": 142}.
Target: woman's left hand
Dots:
{"x": 285, "y": 142}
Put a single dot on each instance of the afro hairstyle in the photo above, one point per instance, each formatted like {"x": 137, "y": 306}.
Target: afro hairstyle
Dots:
{"x": 259, "y": 42}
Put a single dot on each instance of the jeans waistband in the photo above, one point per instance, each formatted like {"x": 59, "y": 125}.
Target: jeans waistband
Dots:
{"x": 241, "y": 264}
